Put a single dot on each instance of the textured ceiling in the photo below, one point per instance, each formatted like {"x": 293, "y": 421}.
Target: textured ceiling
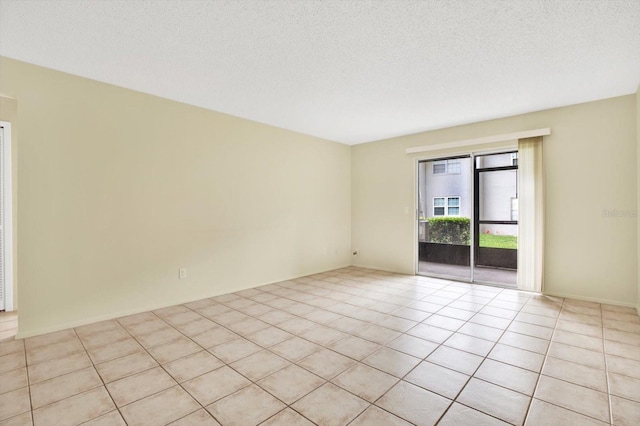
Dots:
{"x": 349, "y": 71}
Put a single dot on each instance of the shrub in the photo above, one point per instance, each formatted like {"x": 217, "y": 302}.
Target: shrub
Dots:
{"x": 449, "y": 230}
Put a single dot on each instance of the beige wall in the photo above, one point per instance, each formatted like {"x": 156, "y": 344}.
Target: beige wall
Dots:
{"x": 118, "y": 189}
{"x": 9, "y": 113}
{"x": 590, "y": 162}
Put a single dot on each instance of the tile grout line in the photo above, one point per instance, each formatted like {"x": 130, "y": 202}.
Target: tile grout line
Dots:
{"x": 544, "y": 361}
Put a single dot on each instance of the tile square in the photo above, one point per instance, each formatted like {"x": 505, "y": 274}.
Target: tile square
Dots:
{"x": 53, "y": 351}
{"x": 323, "y": 336}
{"x": 249, "y": 406}
{"x": 138, "y": 386}
{"x": 276, "y": 317}
{"x": 495, "y": 400}
{"x": 543, "y": 413}
{"x": 159, "y": 337}
{"x": 348, "y": 325}
{"x": 481, "y": 331}
{"x": 269, "y": 336}
{"x": 214, "y": 385}
{"x": 173, "y": 350}
{"x": 441, "y": 321}
{"x": 452, "y": 312}
{"x": 459, "y": 414}
{"x": 397, "y": 323}
{"x": 149, "y": 326}
{"x": 297, "y": 325}
{"x": 414, "y": 404}
{"x": 376, "y": 416}
{"x": 125, "y": 366}
{"x": 622, "y": 350}
{"x": 247, "y": 326}
{"x": 431, "y": 333}
{"x": 112, "y": 418}
{"x": 13, "y": 379}
{"x": 522, "y": 341}
{"x": 391, "y": 361}
{"x": 161, "y": 408}
{"x": 57, "y": 367}
{"x": 573, "y": 397}
{"x": 594, "y": 330}
{"x": 11, "y": 347}
{"x": 259, "y": 365}
{"x": 536, "y": 319}
{"x": 235, "y": 350}
{"x": 469, "y": 344}
{"x": 411, "y": 314}
{"x": 62, "y": 387}
{"x": 624, "y": 366}
{"x": 115, "y": 350}
{"x": 625, "y": 412}
{"x": 508, "y": 376}
{"x": 455, "y": 359}
{"x": 287, "y": 417}
{"x": 344, "y": 406}
{"x": 321, "y": 316}
{"x": 413, "y": 346}
{"x": 517, "y": 357}
{"x": 326, "y": 363}
{"x": 76, "y": 409}
{"x": 14, "y": 403}
{"x": 437, "y": 379}
{"x": 490, "y": 321}
{"x": 214, "y": 337}
{"x": 532, "y": 330}
{"x": 106, "y": 337}
{"x": 295, "y": 349}
{"x": 378, "y": 334}
{"x": 198, "y": 326}
{"x": 365, "y": 382}
{"x": 354, "y": 347}
{"x": 575, "y": 373}
{"x": 579, "y": 340}
{"x": 50, "y": 339}
{"x": 198, "y": 418}
{"x": 291, "y": 383}
{"x": 575, "y": 354}
{"x": 193, "y": 365}
{"x": 624, "y": 386}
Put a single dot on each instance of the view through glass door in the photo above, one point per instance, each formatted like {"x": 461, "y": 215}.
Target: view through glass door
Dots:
{"x": 468, "y": 218}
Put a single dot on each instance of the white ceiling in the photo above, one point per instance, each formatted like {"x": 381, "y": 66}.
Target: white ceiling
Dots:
{"x": 348, "y": 71}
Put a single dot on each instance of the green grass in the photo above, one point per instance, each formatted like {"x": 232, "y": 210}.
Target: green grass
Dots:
{"x": 498, "y": 241}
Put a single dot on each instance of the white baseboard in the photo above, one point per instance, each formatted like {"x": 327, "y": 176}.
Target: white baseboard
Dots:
{"x": 591, "y": 299}
{"x": 147, "y": 308}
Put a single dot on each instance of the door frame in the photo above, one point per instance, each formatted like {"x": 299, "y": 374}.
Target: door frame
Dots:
{"x": 416, "y": 193}
{"x": 7, "y": 195}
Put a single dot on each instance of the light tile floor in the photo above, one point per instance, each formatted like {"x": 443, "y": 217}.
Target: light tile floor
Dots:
{"x": 350, "y": 346}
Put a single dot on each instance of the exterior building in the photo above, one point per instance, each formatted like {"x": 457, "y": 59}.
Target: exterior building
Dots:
{"x": 446, "y": 189}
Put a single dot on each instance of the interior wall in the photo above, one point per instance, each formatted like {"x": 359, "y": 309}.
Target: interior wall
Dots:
{"x": 9, "y": 113}
{"x": 591, "y": 252}
{"x": 117, "y": 190}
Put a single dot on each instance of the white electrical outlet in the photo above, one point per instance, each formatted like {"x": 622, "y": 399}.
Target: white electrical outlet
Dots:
{"x": 182, "y": 273}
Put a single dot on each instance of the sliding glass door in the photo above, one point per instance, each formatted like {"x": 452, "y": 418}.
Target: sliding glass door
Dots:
{"x": 468, "y": 218}
{"x": 445, "y": 206}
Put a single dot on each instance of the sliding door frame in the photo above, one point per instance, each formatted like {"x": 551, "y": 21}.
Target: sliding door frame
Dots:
{"x": 472, "y": 255}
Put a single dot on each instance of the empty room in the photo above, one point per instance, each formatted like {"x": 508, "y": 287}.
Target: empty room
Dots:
{"x": 306, "y": 212}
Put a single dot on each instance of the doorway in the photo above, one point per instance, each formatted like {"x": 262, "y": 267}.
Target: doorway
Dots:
{"x": 468, "y": 218}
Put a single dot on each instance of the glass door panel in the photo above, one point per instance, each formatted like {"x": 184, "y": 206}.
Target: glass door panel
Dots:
{"x": 445, "y": 207}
